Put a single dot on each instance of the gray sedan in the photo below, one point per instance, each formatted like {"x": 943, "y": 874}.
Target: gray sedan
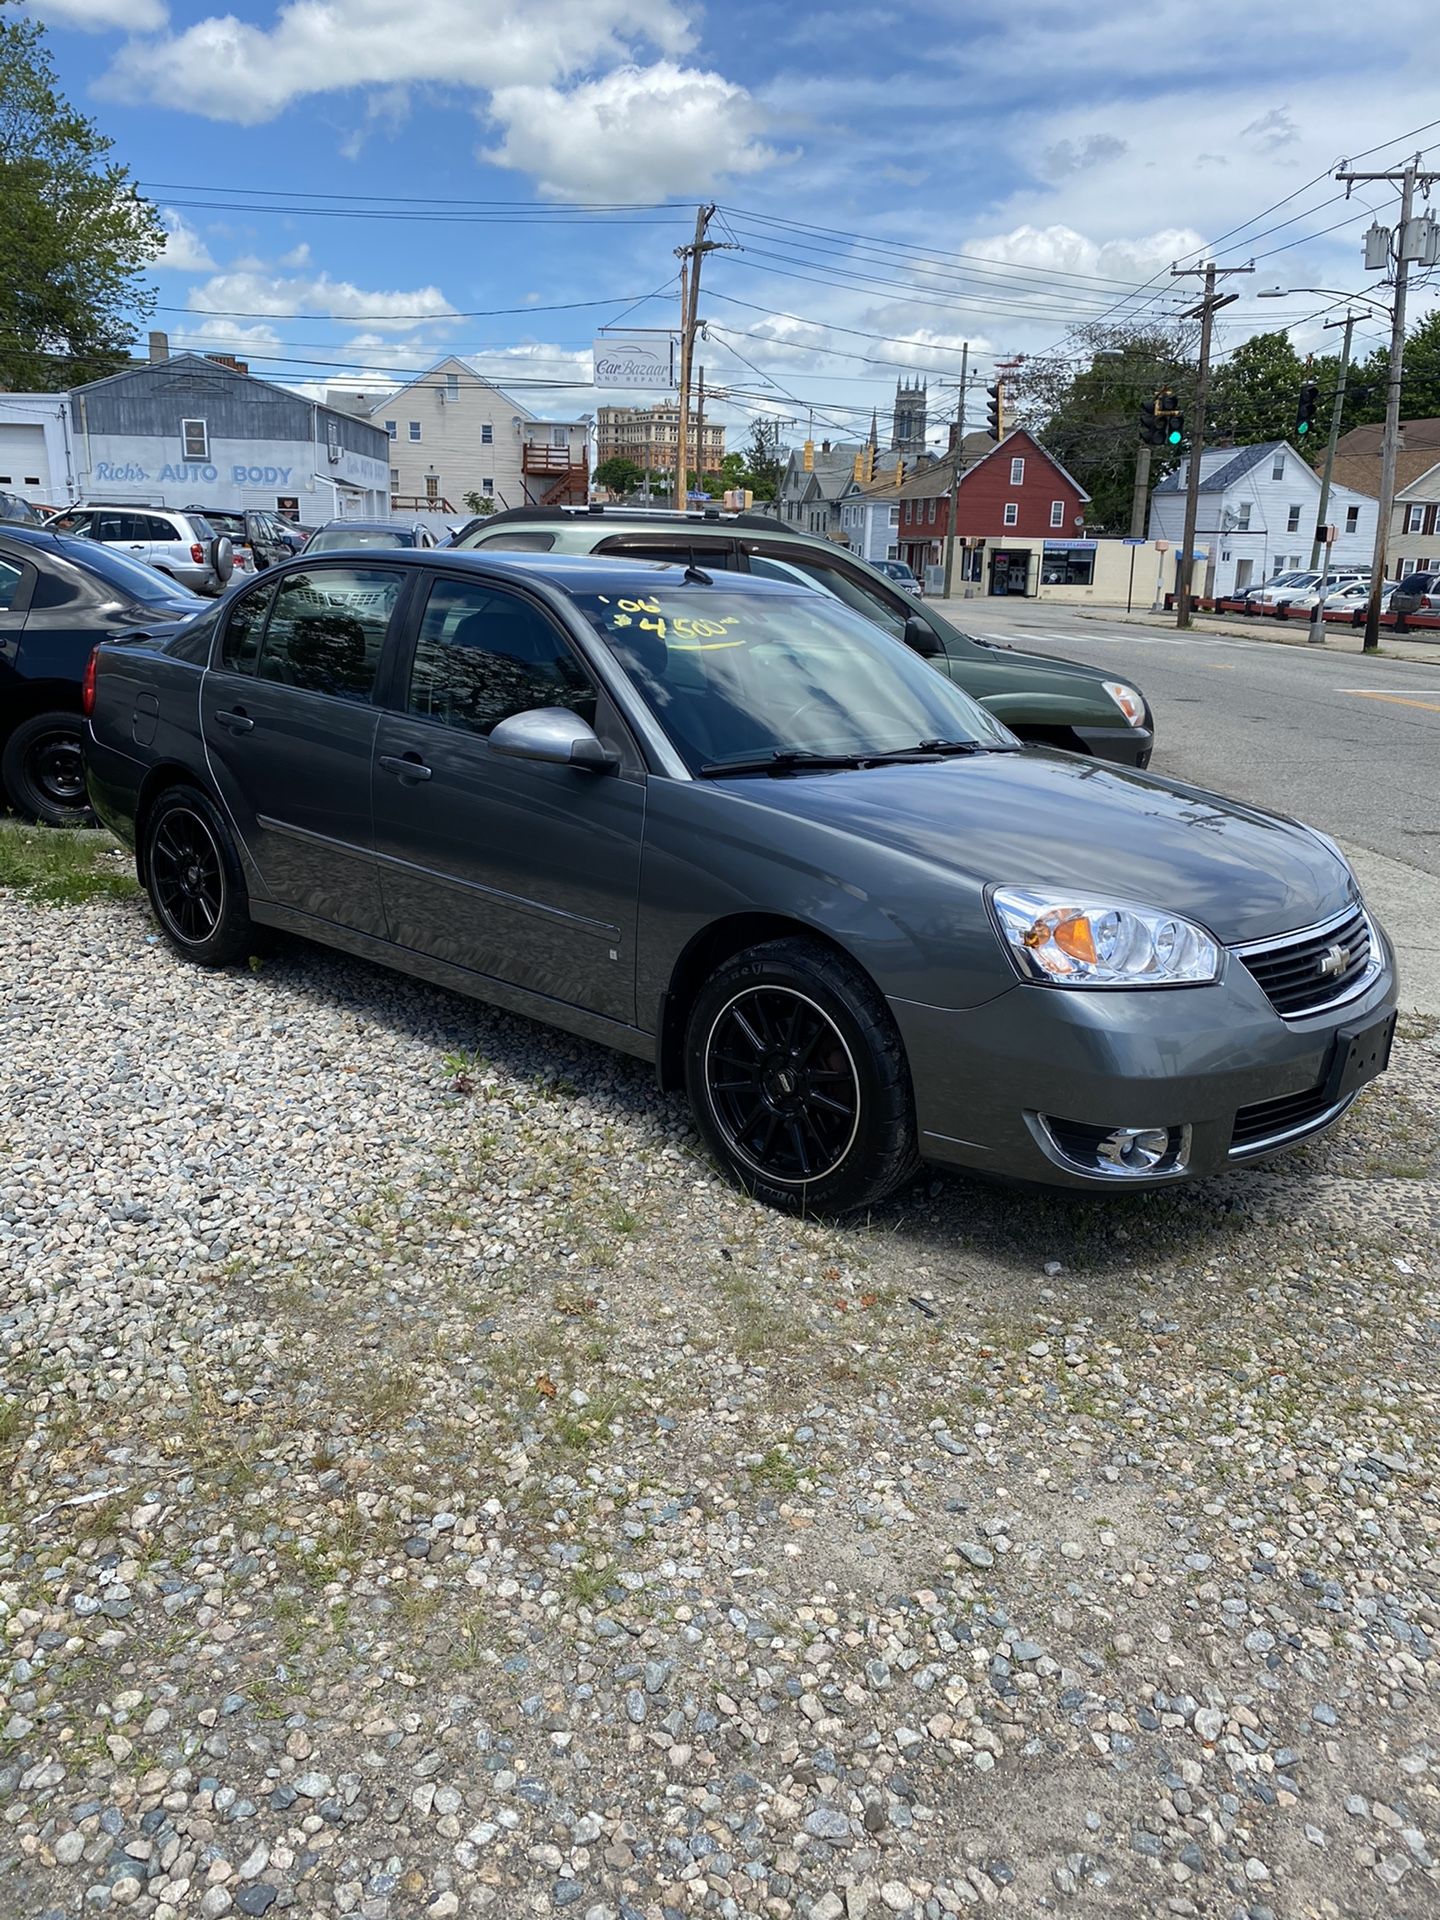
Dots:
{"x": 732, "y": 827}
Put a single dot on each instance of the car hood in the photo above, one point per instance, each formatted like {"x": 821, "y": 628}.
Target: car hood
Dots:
{"x": 1040, "y": 818}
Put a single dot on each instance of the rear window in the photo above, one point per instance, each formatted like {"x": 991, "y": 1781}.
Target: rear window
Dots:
{"x": 130, "y": 577}
{"x": 516, "y": 542}
{"x": 344, "y": 540}
{"x": 202, "y": 527}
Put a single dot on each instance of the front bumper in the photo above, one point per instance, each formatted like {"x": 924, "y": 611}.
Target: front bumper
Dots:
{"x": 1217, "y": 1060}
{"x": 1128, "y": 746}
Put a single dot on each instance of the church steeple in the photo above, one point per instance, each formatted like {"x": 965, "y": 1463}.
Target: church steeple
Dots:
{"x": 907, "y": 433}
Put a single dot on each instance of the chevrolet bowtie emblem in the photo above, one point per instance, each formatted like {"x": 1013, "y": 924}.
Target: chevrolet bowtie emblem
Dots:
{"x": 1334, "y": 960}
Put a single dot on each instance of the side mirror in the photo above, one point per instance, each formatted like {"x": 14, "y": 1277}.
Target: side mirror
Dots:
{"x": 920, "y": 637}
{"x": 554, "y": 736}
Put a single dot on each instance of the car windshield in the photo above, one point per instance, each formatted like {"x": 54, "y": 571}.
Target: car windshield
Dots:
{"x": 346, "y": 539}
{"x": 131, "y": 577}
{"x": 741, "y": 677}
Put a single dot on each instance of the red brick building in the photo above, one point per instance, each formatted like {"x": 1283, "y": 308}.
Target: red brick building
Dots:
{"x": 1021, "y": 518}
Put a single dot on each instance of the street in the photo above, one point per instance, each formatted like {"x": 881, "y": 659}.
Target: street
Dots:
{"x": 1350, "y": 745}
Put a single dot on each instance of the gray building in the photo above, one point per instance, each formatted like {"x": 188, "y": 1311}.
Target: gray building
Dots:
{"x": 189, "y": 430}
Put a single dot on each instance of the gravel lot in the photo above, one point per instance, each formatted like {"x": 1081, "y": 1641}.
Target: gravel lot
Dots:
{"x": 431, "y": 1492}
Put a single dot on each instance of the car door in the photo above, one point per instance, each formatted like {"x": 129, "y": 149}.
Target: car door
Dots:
{"x": 525, "y": 873}
{"x": 16, "y": 582}
{"x": 288, "y": 718}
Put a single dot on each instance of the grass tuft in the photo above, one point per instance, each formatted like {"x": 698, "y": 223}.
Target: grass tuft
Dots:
{"x": 63, "y": 866}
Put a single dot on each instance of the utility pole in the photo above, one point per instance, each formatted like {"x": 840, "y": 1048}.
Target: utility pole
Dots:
{"x": 690, "y": 257}
{"x": 1208, "y": 307}
{"x": 700, "y": 430}
{"x": 1406, "y": 249}
{"x": 1141, "y": 494}
{"x": 957, "y": 467}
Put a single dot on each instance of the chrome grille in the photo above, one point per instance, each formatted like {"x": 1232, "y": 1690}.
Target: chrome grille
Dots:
{"x": 1315, "y": 969}
{"x": 1277, "y": 1120}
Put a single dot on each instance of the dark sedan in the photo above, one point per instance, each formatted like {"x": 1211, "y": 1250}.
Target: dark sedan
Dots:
{"x": 346, "y": 536}
{"x": 59, "y": 597}
{"x": 732, "y": 827}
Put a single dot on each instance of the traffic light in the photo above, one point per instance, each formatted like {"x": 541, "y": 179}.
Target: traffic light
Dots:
{"x": 899, "y": 472}
{"x": 996, "y": 410}
{"x": 1151, "y": 431}
{"x": 1305, "y": 412}
{"x": 1171, "y": 420}
{"x": 859, "y": 470}
{"x": 809, "y": 456}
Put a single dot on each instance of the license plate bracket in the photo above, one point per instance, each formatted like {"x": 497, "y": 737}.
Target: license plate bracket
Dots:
{"x": 1361, "y": 1054}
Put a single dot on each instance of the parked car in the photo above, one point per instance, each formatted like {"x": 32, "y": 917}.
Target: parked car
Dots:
{"x": 18, "y": 512}
{"x": 59, "y": 597}
{"x": 1058, "y": 702}
{"x": 1262, "y": 592}
{"x": 1296, "y": 600}
{"x": 346, "y": 536}
{"x": 730, "y": 826}
{"x": 897, "y": 571}
{"x": 183, "y": 545}
{"x": 263, "y": 538}
{"x": 1417, "y": 593}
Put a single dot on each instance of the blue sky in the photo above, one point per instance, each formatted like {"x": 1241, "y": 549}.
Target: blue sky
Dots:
{"x": 961, "y": 172}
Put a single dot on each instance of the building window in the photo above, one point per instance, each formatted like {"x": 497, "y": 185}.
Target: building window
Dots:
{"x": 1012, "y": 513}
{"x": 1292, "y": 520}
{"x": 1057, "y": 513}
{"x": 452, "y": 386}
{"x": 1352, "y": 519}
{"x": 1277, "y": 471}
{"x": 432, "y": 486}
{"x": 394, "y": 479}
{"x": 390, "y": 428}
{"x": 487, "y": 434}
{"x": 414, "y": 429}
{"x": 1242, "y": 517}
{"x": 894, "y": 517}
{"x": 1414, "y": 519}
{"x": 892, "y": 553}
{"x": 487, "y": 485}
{"x": 195, "y": 439}
{"x": 1017, "y": 472}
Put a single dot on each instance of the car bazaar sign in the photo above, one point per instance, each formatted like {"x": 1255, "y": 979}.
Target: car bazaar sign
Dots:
{"x": 635, "y": 363}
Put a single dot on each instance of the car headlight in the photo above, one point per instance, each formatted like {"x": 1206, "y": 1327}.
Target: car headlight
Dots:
{"x": 1128, "y": 701}
{"x": 1066, "y": 940}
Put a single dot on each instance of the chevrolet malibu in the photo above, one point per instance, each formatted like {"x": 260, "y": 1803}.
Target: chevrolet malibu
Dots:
{"x": 730, "y": 826}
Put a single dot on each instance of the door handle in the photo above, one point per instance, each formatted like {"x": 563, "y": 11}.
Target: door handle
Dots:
{"x": 238, "y": 721}
{"x": 408, "y": 766}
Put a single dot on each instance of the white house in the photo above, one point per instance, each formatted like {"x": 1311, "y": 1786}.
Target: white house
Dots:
{"x": 1258, "y": 508}
{"x": 452, "y": 432}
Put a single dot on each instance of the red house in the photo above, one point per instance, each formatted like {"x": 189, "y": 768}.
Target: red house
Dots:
{"x": 1020, "y": 519}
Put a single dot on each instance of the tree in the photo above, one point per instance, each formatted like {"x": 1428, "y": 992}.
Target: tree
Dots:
{"x": 1089, "y": 419}
{"x": 618, "y": 474}
{"x": 765, "y": 460}
{"x": 75, "y": 237}
{"x": 1255, "y": 390}
{"x": 1419, "y": 379}
{"x": 479, "y": 504}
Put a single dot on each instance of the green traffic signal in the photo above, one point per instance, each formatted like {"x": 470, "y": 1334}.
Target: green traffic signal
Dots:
{"x": 1174, "y": 437}
{"x": 1302, "y": 427}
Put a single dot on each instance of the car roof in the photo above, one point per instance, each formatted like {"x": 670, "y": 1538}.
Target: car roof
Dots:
{"x": 572, "y": 573}
{"x": 370, "y": 526}
{"x": 32, "y": 535}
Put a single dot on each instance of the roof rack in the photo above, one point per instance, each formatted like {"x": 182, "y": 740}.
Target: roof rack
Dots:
{"x": 692, "y": 516}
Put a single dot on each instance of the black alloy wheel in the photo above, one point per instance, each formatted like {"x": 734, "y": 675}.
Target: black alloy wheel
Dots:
{"x": 44, "y": 770}
{"x": 798, "y": 1079}
{"x": 782, "y": 1084}
{"x": 192, "y": 874}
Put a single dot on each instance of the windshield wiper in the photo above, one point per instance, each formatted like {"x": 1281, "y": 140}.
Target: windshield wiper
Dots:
{"x": 786, "y": 760}
{"x": 937, "y": 749}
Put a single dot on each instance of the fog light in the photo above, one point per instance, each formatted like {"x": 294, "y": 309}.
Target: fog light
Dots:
{"x": 1117, "y": 1153}
{"x": 1134, "y": 1149}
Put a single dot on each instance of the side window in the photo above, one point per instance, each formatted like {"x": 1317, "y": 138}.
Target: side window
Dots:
{"x": 157, "y": 530}
{"x": 517, "y": 542}
{"x": 327, "y": 628}
{"x": 9, "y": 585}
{"x": 241, "y": 646}
{"x": 483, "y": 655}
{"x": 674, "y": 552}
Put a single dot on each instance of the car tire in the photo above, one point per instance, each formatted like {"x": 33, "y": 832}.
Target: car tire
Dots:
{"x": 798, "y": 1079}
{"x": 43, "y": 770}
{"x": 193, "y": 877}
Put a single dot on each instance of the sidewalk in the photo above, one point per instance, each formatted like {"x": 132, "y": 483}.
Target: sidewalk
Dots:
{"x": 1284, "y": 633}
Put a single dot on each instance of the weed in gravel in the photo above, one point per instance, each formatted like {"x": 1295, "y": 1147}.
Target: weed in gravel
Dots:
{"x": 63, "y": 866}
{"x": 756, "y": 1325}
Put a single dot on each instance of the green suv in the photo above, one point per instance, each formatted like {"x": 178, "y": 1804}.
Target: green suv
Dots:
{"x": 1057, "y": 703}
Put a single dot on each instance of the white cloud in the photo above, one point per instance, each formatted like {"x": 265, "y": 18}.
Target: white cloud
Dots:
{"x": 103, "y": 16}
{"x": 631, "y": 134}
{"x": 250, "y": 289}
{"x": 227, "y": 69}
{"x": 227, "y": 336}
{"x": 1063, "y": 250}
{"x": 184, "y": 250}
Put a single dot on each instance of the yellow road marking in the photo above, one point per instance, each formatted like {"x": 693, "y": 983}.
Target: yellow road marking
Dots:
{"x": 1395, "y": 699}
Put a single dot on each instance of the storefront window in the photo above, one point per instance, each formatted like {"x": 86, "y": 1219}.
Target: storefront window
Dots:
{"x": 1067, "y": 563}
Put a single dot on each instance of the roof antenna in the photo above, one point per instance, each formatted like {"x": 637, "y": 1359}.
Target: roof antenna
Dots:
{"x": 698, "y": 575}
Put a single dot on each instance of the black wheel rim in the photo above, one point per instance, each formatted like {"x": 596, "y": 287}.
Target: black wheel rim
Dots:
{"x": 55, "y": 767}
{"x": 187, "y": 876}
{"x": 782, "y": 1085}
